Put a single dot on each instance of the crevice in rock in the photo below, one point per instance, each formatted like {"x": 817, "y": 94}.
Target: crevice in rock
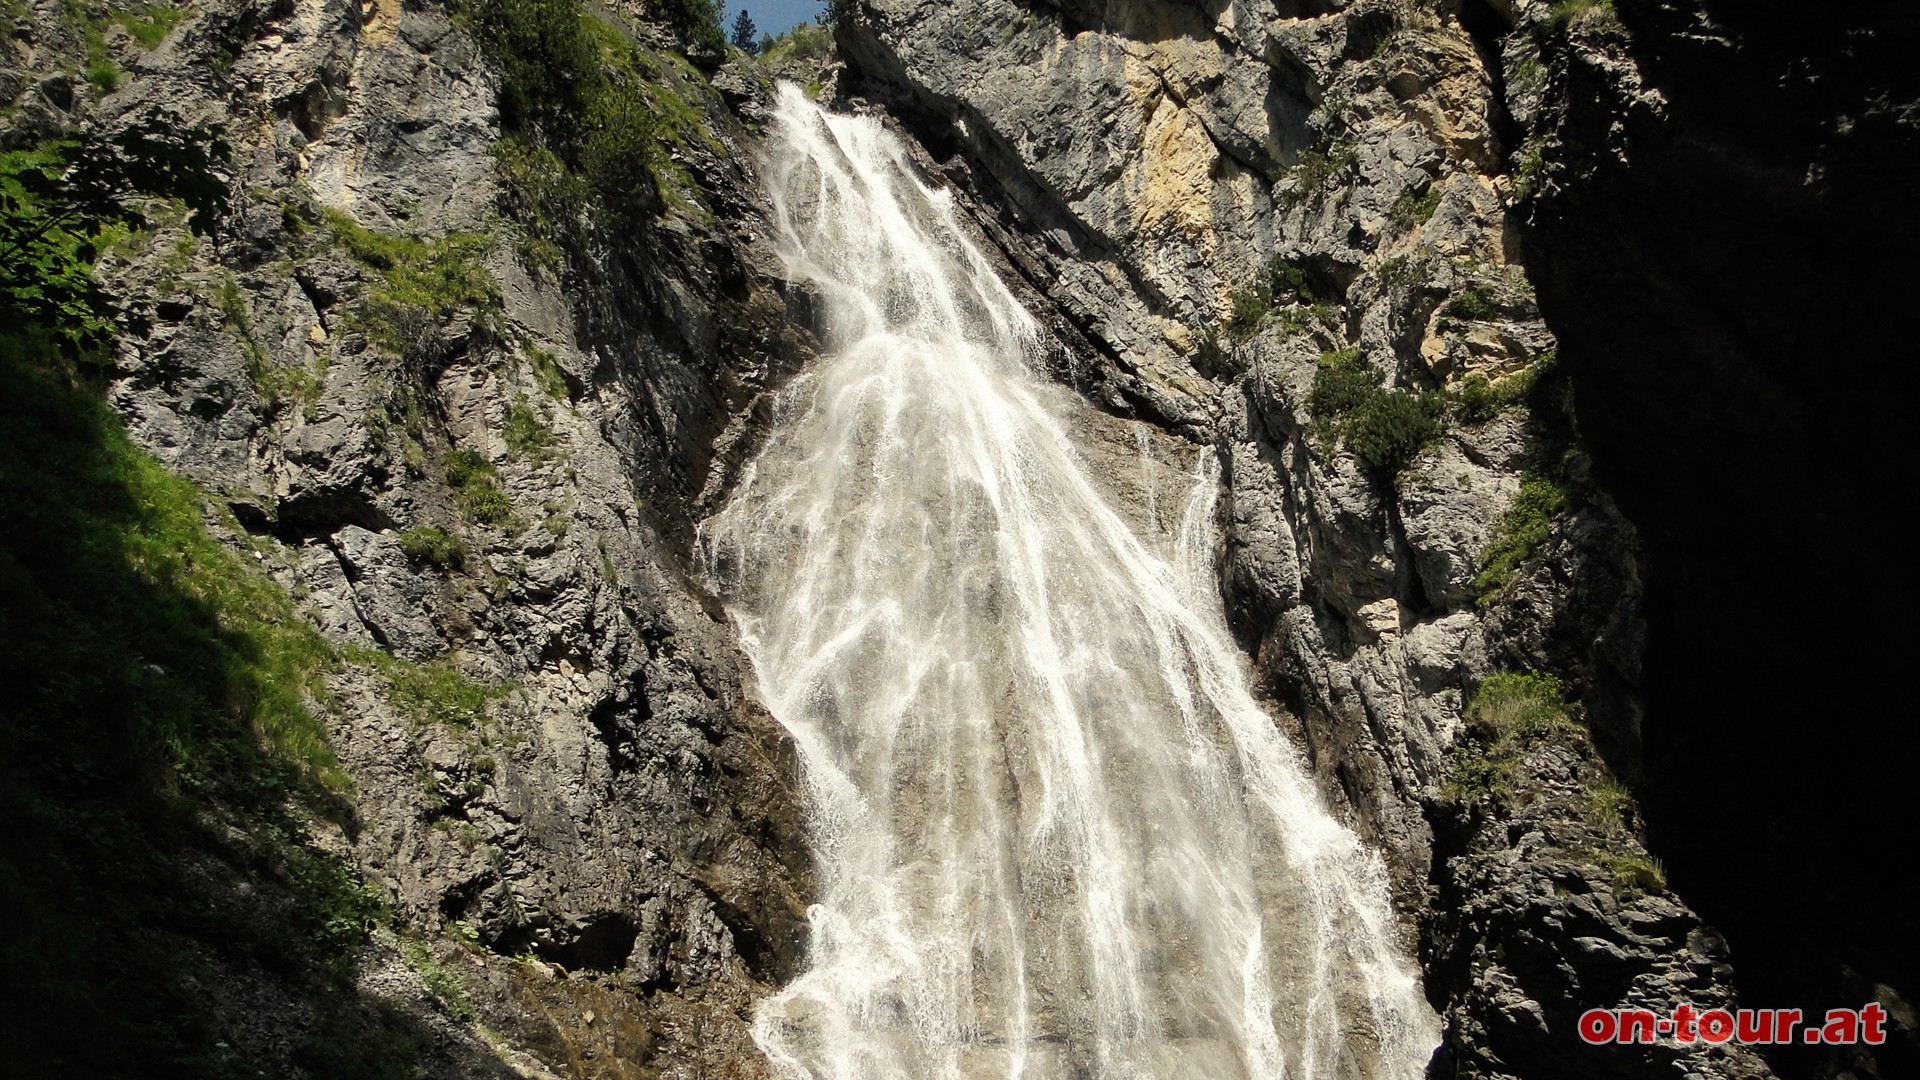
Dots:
{"x": 602, "y": 942}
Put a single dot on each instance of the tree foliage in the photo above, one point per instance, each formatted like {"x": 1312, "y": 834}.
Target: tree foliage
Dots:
{"x": 745, "y": 34}
{"x": 1382, "y": 428}
{"x": 579, "y": 94}
{"x": 59, "y": 201}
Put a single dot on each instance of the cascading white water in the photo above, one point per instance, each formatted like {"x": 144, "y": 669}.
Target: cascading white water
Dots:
{"x": 1055, "y": 835}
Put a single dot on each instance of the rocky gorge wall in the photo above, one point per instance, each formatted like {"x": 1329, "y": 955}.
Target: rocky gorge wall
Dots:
{"x": 471, "y": 445}
{"x": 1721, "y": 231}
{"x": 1352, "y": 248}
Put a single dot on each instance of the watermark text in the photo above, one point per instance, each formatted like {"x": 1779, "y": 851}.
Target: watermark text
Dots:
{"x": 1687, "y": 1025}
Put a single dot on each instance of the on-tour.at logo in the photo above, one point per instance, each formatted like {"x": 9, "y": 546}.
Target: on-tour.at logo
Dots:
{"x": 1687, "y": 1025}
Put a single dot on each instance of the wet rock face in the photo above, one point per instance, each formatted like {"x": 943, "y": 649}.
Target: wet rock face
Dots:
{"x": 1717, "y": 241}
{"x": 1212, "y": 205}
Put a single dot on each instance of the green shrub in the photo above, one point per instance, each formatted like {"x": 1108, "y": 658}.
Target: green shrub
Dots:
{"x": 1567, "y": 12}
{"x": 434, "y": 546}
{"x": 478, "y": 484}
{"x": 578, "y": 88}
{"x": 548, "y": 375}
{"x": 423, "y": 285}
{"x": 620, "y": 141}
{"x": 1475, "y": 401}
{"x": 441, "y": 981}
{"x": 1391, "y": 426}
{"x": 465, "y": 466}
{"x": 336, "y": 904}
{"x": 1530, "y": 163}
{"x": 1249, "y": 306}
{"x": 1475, "y": 302}
{"x": 1509, "y": 715}
{"x": 1525, "y": 702}
{"x": 1295, "y": 318}
{"x": 1415, "y": 208}
{"x": 1523, "y": 528}
{"x": 1342, "y": 382}
{"x": 487, "y": 504}
{"x": 1286, "y": 277}
{"x": 104, "y": 75}
{"x": 151, "y": 24}
{"x": 1633, "y": 874}
{"x": 1383, "y": 429}
{"x": 1478, "y": 399}
{"x": 1314, "y": 169}
{"x": 1610, "y": 806}
{"x": 548, "y": 201}
{"x": 1405, "y": 271}
{"x": 527, "y": 436}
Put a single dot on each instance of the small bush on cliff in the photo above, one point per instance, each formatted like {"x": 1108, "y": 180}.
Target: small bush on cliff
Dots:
{"x": 1391, "y": 427}
{"x": 1286, "y": 277}
{"x": 1475, "y": 302}
{"x": 478, "y": 484}
{"x": 1382, "y": 428}
{"x": 1313, "y": 170}
{"x": 527, "y": 437}
{"x": 1248, "y": 306}
{"x": 1280, "y": 280}
{"x": 1415, "y": 208}
{"x": 1407, "y": 271}
{"x": 443, "y": 982}
{"x": 1478, "y": 399}
{"x": 1342, "y": 382}
{"x": 578, "y": 88}
{"x": 424, "y": 284}
{"x": 1634, "y": 873}
{"x": 436, "y": 692}
{"x": 1568, "y": 12}
{"x": 275, "y": 384}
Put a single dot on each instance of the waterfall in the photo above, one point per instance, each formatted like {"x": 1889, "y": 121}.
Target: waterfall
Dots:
{"x": 1055, "y": 835}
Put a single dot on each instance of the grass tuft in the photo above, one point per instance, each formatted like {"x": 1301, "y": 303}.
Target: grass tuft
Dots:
{"x": 436, "y": 692}
{"x": 434, "y": 546}
{"x": 1523, "y": 528}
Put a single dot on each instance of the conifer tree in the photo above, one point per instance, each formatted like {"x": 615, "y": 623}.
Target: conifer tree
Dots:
{"x": 744, "y": 32}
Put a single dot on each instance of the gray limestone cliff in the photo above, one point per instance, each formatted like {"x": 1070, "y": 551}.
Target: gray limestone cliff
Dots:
{"x": 472, "y": 447}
